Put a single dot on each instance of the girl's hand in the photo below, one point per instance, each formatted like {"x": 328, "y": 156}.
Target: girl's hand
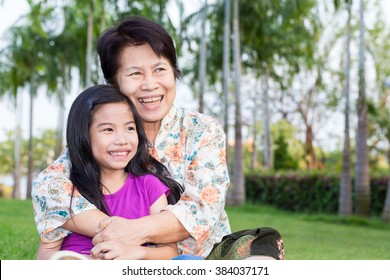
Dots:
{"x": 113, "y": 250}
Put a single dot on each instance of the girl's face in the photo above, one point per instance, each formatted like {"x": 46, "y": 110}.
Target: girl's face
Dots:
{"x": 148, "y": 80}
{"x": 113, "y": 134}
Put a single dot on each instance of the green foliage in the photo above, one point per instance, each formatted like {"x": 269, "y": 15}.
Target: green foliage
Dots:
{"x": 309, "y": 193}
{"x": 283, "y": 160}
{"x": 43, "y": 152}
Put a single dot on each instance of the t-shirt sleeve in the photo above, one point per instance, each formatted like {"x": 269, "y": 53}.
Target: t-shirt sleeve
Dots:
{"x": 51, "y": 199}
{"x": 155, "y": 188}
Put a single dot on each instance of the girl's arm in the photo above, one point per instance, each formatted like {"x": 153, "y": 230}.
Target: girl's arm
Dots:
{"x": 86, "y": 222}
{"x": 113, "y": 250}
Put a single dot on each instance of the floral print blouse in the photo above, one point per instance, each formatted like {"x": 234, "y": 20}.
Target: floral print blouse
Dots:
{"x": 192, "y": 146}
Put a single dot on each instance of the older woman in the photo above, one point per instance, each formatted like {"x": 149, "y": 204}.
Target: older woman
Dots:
{"x": 139, "y": 58}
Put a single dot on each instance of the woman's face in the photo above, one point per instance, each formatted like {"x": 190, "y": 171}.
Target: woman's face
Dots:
{"x": 148, "y": 80}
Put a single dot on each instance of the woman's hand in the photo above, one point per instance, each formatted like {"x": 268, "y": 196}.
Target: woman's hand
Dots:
{"x": 119, "y": 229}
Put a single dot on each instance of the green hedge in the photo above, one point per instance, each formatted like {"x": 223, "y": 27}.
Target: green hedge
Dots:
{"x": 314, "y": 193}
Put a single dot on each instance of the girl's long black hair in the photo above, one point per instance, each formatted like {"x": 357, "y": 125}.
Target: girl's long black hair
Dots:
{"x": 85, "y": 172}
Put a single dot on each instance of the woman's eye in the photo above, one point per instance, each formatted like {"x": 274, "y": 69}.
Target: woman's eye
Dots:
{"x": 161, "y": 69}
{"x": 131, "y": 128}
{"x": 135, "y": 73}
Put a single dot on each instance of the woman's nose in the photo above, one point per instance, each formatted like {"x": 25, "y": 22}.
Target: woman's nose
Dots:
{"x": 149, "y": 83}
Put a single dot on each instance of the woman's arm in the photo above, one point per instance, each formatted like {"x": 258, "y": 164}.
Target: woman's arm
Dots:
{"x": 46, "y": 250}
{"x": 51, "y": 198}
{"x": 160, "y": 228}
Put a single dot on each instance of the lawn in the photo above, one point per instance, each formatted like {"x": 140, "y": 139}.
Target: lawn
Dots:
{"x": 306, "y": 237}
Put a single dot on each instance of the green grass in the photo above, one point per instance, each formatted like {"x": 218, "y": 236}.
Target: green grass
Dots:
{"x": 319, "y": 237}
{"x": 306, "y": 237}
{"x": 18, "y": 235}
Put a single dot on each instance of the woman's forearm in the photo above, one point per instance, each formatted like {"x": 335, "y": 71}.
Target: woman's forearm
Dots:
{"x": 159, "y": 228}
{"x": 163, "y": 228}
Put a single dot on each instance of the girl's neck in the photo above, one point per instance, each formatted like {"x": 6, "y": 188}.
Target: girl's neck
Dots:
{"x": 113, "y": 180}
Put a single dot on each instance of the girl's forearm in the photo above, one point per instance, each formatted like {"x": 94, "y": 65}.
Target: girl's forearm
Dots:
{"x": 85, "y": 222}
{"x": 163, "y": 252}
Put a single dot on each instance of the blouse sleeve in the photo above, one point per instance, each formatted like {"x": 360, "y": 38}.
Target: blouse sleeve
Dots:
{"x": 206, "y": 182}
{"x": 52, "y": 200}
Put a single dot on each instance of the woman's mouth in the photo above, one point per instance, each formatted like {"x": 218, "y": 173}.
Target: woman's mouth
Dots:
{"x": 150, "y": 101}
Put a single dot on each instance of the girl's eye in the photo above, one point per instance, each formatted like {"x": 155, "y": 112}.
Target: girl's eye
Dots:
{"x": 131, "y": 128}
{"x": 108, "y": 129}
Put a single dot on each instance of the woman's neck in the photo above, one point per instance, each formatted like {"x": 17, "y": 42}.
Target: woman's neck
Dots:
{"x": 151, "y": 130}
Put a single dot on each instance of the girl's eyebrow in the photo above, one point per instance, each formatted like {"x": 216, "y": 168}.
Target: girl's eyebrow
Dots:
{"x": 103, "y": 124}
{"x": 107, "y": 123}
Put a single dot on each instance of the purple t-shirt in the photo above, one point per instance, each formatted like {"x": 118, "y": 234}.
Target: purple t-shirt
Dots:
{"x": 132, "y": 201}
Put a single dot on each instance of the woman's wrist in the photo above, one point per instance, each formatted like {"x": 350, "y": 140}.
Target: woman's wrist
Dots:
{"x": 163, "y": 228}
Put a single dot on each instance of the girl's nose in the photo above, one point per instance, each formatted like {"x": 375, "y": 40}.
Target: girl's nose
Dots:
{"x": 121, "y": 139}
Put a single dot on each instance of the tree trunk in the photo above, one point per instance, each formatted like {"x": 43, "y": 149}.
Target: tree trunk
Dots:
{"x": 17, "y": 192}
{"x": 89, "y": 60}
{"x": 226, "y": 84}
{"x": 238, "y": 172}
{"x": 30, "y": 151}
{"x": 61, "y": 117}
{"x": 102, "y": 28}
{"x": 362, "y": 185}
{"x": 226, "y": 73}
{"x": 202, "y": 60}
{"x": 386, "y": 209}
{"x": 267, "y": 153}
{"x": 254, "y": 163}
{"x": 345, "y": 196}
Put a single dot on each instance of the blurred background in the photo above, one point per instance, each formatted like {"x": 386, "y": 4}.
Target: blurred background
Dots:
{"x": 301, "y": 86}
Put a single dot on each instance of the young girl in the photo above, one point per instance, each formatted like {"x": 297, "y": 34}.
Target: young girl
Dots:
{"x": 111, "y": 167}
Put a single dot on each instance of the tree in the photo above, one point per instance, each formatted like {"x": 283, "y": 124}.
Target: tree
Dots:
{"x": 362, "y": 181}
{"x": 345, "y": 195}
{"x": 276, "y": 34}
{"x": 238, "y": 197}
{"x": 202, "y": 60}
{"x": 226, "y": 71}
{"x": 379, "y": 113}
